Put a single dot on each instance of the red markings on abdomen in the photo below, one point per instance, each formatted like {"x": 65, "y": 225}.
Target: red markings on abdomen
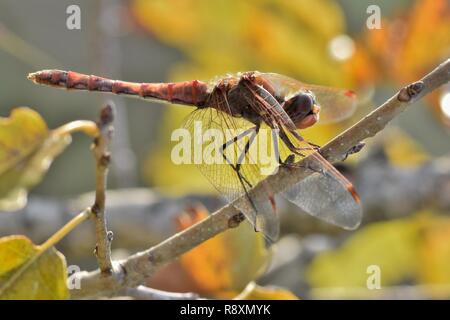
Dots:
{"x": 187, "y": 92}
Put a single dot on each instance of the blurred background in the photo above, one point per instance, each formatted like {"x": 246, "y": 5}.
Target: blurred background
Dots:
{"x": 402, "y": 175}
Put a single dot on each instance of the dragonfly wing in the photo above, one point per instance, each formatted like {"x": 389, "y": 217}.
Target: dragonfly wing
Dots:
{"x": 325, "y": 198}
{"x": 327, "y": 194}
{"x": 262, "y": 215}
{"x": 336, "y": 104}
{"x": 219, "y": 128}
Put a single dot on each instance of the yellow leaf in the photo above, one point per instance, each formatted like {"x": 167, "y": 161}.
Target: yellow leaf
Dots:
{"x": 20, "y": 135}
{"x": 402, "y": 150}
{"x": 255, "y": 292}
{"x": 410, "y": 249}
{"x": 434, "y": 252}
{"x": 330, "y": 21}
{"x": 27, "y": 148}
{"x": 224, "y": 265}
{"x": 392, "y": 246}
{"x": 27, "y": 273}
{"x": 281, "y": 36}
{"x": 403, "y": 50}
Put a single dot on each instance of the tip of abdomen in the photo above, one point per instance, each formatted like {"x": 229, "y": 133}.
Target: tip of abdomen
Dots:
{"x": 33, "y": 77}
{"x": 49, "y": 77}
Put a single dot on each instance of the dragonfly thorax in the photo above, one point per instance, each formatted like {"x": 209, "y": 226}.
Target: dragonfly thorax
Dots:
{"x": 229, "y": 96}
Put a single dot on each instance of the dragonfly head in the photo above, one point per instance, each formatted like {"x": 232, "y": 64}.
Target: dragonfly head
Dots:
{"x": 302, "y": 109}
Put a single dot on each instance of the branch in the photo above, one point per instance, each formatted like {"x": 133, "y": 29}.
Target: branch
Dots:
{"x": 137, "y": 267}
{"x": 338, "y": 148}
{"x": 132, "y": 271}
{"x": 102, "y": 159}
{"x": 385, "y": 189}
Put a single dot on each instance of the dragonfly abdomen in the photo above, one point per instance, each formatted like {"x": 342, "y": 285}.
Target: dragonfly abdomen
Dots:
{"x": 187, "y": 92}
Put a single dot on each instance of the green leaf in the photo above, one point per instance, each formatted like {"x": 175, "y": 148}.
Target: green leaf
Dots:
{"x": 27, "y": 148}
{"x": 28, "y": 273}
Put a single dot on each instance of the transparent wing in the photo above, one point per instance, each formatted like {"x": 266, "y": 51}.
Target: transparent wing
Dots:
{"x": 335, "y": 104}
{"x": 216, "y": 129}
{"x": 323, "y": 196}
{"x": 326, "y": 194}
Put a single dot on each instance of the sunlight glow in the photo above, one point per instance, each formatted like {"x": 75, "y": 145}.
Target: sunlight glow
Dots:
{"x": 341, "y": 47}
{"x": 445, "y": 103}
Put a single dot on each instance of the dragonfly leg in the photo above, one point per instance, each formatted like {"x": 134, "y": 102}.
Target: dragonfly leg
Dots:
{"x": 238, "y": 167}
{"x": 315, "y": 146}
{"x": 253, "y": 131}
{"x": 355, "y": 149}
{"x": 289, "y": 161}
{"x": 247, "y": 147}
{"x": 297, "y": 151}
{"x": 290, "y": 145}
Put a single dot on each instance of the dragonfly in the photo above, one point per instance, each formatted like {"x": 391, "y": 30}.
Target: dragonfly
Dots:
{"x": 251, "y": 104}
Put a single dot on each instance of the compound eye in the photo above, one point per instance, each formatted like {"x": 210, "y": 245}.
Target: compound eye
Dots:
{"x": 299, "y": 106}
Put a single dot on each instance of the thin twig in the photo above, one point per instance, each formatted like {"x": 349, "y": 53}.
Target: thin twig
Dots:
{"x": 132, "y": 271}
{"x": 108, "y": 55}
{"x": 139, "y": 266}
{"x": 146, "y": 293}
{"x": 102, "y": 159}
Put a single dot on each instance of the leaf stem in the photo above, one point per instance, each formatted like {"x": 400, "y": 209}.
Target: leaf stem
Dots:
{"x": 86, "y": 126}
{"x": 66, "y": 229}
